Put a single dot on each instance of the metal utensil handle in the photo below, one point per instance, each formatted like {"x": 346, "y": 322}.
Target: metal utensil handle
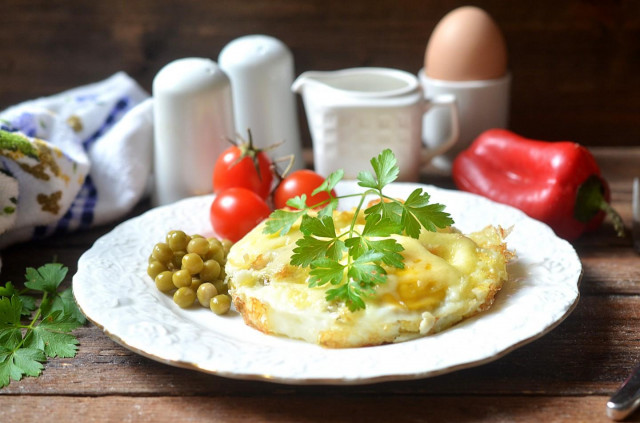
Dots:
{"x": 627, "y": 398}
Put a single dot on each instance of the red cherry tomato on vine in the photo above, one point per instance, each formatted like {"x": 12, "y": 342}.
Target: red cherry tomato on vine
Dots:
{"x": 235, "y": 211}
{"x": 236, "y": 167}
{"x": 297, "y": 183}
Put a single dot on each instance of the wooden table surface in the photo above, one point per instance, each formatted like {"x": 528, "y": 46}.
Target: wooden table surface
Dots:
{"x": 567, "y": 375}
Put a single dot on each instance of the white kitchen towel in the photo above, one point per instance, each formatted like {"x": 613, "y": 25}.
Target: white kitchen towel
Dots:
{"x": 74, "y": 160}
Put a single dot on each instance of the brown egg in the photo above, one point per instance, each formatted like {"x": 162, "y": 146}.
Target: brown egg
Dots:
{"x": 466, "y": 45}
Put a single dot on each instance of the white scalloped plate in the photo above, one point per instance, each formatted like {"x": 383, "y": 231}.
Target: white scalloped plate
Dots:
{"x": 113, "y": 290}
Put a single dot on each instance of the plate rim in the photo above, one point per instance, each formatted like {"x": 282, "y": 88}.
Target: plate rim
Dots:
{"x": 333, "y": 380}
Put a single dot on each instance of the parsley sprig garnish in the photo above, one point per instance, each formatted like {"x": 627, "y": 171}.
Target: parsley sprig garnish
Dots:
{"x": 30, "y": 333}
{"x": 353, "y": 261}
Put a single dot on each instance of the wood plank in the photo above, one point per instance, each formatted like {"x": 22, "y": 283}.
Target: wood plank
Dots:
{"x": 616, "y": 271}
{"x": 591, "y": 352}
{"x": 572, "y": 62}
{"x": 327, "y": 407}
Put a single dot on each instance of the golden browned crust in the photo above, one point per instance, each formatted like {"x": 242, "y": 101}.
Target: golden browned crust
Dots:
{"x": 491, "y": 296}
{"x": 254, "y": 313}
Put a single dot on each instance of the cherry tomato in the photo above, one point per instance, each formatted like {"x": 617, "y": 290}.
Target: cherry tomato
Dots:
{"x": 236, "y": 167}
{"x": 235, "y": 211}
{"x": 297, "y": 183}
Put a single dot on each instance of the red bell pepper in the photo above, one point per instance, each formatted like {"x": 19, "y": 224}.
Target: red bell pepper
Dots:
{"x": 558, "y": 183}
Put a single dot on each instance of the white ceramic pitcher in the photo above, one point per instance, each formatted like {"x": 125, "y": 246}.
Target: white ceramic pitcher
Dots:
{"x": 354, "y": 114}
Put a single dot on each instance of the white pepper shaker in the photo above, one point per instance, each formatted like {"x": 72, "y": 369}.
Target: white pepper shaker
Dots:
{"x": 261, "y": 71}
{"x": 193, "y": 117}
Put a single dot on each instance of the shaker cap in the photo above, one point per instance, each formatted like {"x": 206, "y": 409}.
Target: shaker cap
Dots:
{"x": 252, "y": 51}
{"x": 189, "y": 75}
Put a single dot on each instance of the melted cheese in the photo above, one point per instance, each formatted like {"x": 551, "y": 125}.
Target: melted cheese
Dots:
{"x": 447, "y": 277}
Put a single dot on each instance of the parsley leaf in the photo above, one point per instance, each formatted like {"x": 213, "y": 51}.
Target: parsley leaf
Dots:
{"x": 330, "y": 183}
{"x": 29, "y": 305}
{"x": 325, "y": 270}
{"x": 10, "y": 311}
{"x": 52, "y": 336}
{"x": 19, "y": 362}
{"x": 353, "y": 261}
{"x": 375, "y": 225}
{"x": 319, "y": 240}
{"x": 329, "y": 208}
{"x": 25, "y": 345}
{"x": 350, "y": 293}
{"x": 321, "y": 227}
{"x": 8, "y": 290}
{"x": 298, "y": 202}
{"x": 28, "y": 302}
{"x": 390, "y": 250}
{"x": 387, "y": 210}
{"x": 389, "y": 247}
{"x": 46, "y": 278}
{"x": 65, "y": 303}
{"x": 364, "y": 273}
{"x": 357, "y": 246}
{"x": 386, "y": 170}
{"x": 367, "y": 270}
{"x": 418, "y": 212}
{"x": 282, "y": 220}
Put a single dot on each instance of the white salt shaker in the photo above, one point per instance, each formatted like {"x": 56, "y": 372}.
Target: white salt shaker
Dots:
{"x": 261, "y": 71}
{"x": 193, "y": 117}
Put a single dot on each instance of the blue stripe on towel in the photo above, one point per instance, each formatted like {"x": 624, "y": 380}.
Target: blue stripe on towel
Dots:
{"x": 121, "y": 106}
{"x": 83, "y": 206}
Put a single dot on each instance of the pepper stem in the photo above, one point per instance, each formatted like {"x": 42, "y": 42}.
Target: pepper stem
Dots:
{"x": 616, "y": 219}
{"x": 590, "y": 200}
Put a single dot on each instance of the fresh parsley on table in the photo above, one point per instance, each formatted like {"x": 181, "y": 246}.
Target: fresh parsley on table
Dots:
{"x": 352, "y": 261}
{"x": 30, "y": 332}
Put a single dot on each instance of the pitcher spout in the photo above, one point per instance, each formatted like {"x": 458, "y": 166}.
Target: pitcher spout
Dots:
{"x": 307, "y": 78}
{"x": 365, "y": 83}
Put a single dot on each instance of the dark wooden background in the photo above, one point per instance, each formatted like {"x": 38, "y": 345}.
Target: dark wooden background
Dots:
{"x": 576, "y": 64}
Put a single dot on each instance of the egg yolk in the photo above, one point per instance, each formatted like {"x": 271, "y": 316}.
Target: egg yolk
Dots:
{"x": 421, "y": 295}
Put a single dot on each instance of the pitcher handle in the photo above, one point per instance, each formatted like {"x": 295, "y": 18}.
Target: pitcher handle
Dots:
{"x": 449, "y": 101}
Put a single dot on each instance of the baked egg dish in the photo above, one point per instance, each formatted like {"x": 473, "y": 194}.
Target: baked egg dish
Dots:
{"x": 447, "y": 277}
